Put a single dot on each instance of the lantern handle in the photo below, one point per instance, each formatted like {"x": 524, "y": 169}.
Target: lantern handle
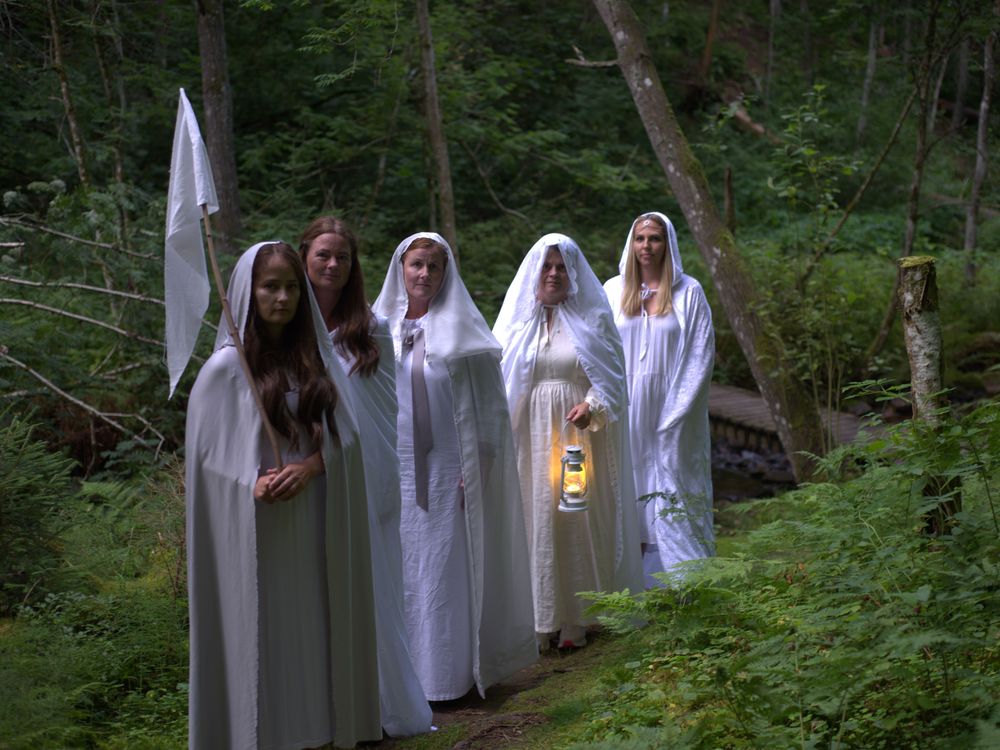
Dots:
{"x": 562, "y": 432}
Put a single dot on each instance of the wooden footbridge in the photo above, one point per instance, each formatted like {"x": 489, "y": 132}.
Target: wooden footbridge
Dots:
{"x": 741, "y": 418}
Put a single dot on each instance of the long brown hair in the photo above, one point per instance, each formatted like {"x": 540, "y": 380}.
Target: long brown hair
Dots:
{"x": 352, "y": 315}
{"x": 291, "y": 361}
{"x": 632, "y": 293}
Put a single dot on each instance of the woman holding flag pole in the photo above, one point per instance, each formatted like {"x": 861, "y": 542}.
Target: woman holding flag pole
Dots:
{"x": 283, "y": 651}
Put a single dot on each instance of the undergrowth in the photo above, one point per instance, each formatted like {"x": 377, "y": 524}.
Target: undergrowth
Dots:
{"x": 96, "y": 655}
{"x": 841, "y": 623}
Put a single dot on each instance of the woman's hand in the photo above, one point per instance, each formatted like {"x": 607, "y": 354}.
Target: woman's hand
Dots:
{"x": 280, "y": 486}
{"x": 579, "y": 415}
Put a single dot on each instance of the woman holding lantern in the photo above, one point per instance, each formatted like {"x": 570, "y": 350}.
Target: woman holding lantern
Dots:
{"x": 465, "y": 571}
{"x": 666, "y": 328}
{"x": 565, "y": 378}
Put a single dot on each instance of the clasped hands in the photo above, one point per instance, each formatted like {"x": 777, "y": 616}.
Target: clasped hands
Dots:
{"x": 274, "y": 486}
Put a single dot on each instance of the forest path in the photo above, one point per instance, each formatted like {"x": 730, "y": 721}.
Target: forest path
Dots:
{"x": 540, "y": 706}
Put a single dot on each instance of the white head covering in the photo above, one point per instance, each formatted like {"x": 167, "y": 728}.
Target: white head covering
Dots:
{"x": 240, "y": 290}
{"x": 675, "y": 253}
{"x": 453, "y": 327}
{"x": 588, "y": 319}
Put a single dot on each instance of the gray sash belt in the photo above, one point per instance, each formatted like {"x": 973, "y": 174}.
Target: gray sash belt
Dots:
{"x": 422, "y": 439}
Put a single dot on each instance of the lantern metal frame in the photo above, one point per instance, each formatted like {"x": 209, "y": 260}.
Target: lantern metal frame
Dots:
{"x": 571, "y": 503}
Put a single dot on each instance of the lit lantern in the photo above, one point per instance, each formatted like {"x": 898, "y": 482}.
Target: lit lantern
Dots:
{"x": 574, "y": 480}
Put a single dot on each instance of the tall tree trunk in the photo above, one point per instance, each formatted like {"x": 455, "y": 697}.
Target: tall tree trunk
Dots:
{"x": 435, "y": 128}
{"x": 76, "y": 139}
{"x": 705, "y": 66}
{"x": 979, "y": 175}
{"x": 227, "y": 224}
{"x": 866, "y": 87}
{"x": 117, "y": 108}
{"x": 808, "y": 51}
{"x": 918, "y": 303}
{"x": 789, "y": 401}
{"x": 961, "y": 83}
{"x": 907, "y": 42}
{"x": 775, "y": 12}
{"x": 926, "y": 81}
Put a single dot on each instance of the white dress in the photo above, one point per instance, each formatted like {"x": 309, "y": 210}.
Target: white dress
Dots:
{"x": 465, "y": 559}
{"x": 282, "y": 647}
{"x": 294, "y": 698}
{"x": 437, "y": 588}
{"x": 403, "y": 706}
{"x": 570, "y": 552}
{"x": 668, "y": 359}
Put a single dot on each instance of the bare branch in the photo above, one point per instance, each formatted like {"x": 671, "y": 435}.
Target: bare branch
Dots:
{"x": 106, "y": 418}
{"x": 743, "y": 117}
{"x": 84, "y": 287}
{"x": 853, "y": 203}
{"x": 6, "y": 221}
{"x": 82, "y": 318}
{"x": 581, "y": 61}
{"x": 489, "y": 188}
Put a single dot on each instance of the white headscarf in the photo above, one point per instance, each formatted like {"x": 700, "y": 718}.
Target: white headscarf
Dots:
{"x": 453, "y": 327}
{"x": 239, "y": 294}
{"x": 675, "y": 253}
{"x": 588, "y": 319}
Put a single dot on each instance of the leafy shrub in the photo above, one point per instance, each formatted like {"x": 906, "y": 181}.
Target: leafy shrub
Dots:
{"x": 78, "y": 667}
{"x": 34, "y": 487}
{"x": 839, "y": 625}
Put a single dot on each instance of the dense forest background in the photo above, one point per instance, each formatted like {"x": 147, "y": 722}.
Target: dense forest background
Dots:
{"x": 833, "y": 137}
{"x": 794, "y": 106}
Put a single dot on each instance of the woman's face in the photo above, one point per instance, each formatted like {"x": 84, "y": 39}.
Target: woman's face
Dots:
{"x": 276, "y": 294}
{"x": 328, "y": 262}
{"x": 423, "y": 272}
{"x": 649, "y": 245}
{"x": 553, "y": 283}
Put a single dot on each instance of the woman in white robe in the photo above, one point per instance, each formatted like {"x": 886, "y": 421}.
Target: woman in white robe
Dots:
{"x": 465, "y": 574}
{"x": 279, "y": 569}
{"x": 363, "y": 346}
{"x": 666, "y": 328}
{"x": 562, "y": 364}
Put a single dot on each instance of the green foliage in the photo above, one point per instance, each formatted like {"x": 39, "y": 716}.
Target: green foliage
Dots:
{"x": 839, "y": 624}
{"x": 103, "y": 660}
{"x": 34, "y": 490}
{"x": 77, "y": 667}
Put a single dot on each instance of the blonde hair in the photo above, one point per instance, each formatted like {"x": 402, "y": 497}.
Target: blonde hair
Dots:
{"x": 632, "y": 293}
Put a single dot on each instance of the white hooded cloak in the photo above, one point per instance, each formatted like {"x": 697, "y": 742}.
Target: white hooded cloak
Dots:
{"x": 280, "y": 596}
{"x": 468, "y": 601}
{"x": 570, "y": 552}
{"x": 405, "y": 710}
{"x": 669, "y": 362}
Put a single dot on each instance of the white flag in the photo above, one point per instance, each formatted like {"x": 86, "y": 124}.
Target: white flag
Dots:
{"x": 185, "y": 276}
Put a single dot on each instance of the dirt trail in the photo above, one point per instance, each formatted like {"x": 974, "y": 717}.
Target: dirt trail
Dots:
{"x": 516, "y": 704}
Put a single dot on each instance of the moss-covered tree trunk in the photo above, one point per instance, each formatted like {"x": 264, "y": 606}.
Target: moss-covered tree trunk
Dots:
{"x": 918, "y": 307}
{"x": 789, "y": 401}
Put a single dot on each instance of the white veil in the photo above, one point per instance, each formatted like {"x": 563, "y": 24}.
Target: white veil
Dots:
{"x": 675, "y": 253}
{"x": 453, "y": 327}
{"x": 240, "y": 284}
{"x": 588, "y": 319}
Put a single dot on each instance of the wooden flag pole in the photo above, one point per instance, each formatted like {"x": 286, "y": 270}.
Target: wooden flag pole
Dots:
{"x": 234, "y": 334}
